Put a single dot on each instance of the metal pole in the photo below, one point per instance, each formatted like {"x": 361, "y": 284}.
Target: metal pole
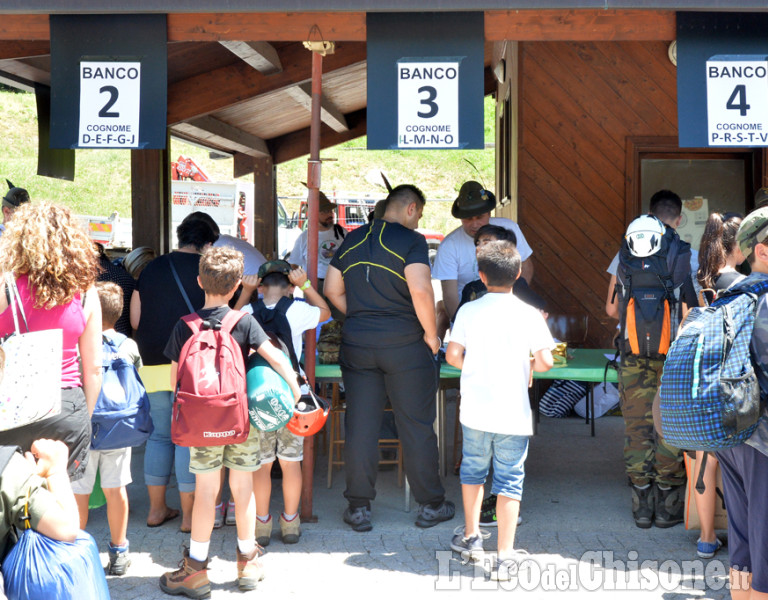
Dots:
{"x": 313, "y": 200}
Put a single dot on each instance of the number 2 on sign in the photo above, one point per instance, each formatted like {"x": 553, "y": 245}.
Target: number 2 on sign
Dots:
{"x": 113, "y": 94}
{"x": 738, "y": 100}
{"x": 428, "y": 101}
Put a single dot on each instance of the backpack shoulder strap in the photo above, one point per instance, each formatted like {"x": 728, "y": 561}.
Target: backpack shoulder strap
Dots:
{"x": 283, "y": 305}
{"x": 193, "y": 321}
{"x": 231, "y": 319}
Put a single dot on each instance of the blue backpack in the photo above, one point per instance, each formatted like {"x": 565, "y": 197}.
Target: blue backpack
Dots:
{"x": 709, "y": 394}
{"x": 121, "y": 417}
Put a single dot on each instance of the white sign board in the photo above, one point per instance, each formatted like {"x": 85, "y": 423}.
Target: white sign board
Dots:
{"x": 427, "y": 104}
{"x": 109, "y": 104}
{"x": 737, "y": 102}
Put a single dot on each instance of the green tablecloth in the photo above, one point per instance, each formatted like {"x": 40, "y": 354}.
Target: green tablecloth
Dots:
{"x": 586, "y": 365}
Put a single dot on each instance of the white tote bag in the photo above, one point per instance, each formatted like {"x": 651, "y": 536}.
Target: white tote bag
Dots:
{"x": 30, "y": 389}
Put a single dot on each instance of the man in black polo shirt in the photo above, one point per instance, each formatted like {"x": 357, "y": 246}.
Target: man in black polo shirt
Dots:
{"x": 380, "y": 278}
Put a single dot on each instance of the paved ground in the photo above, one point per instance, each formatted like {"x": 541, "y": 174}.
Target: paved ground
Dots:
{"x": 577, "y": 527}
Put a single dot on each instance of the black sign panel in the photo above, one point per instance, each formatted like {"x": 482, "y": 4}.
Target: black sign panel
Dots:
{"x": 425, "y": 80}
{"x": 109, "y": 81}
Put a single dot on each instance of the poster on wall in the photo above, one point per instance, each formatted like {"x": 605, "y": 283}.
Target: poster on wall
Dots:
{"x": 693, "y": 221}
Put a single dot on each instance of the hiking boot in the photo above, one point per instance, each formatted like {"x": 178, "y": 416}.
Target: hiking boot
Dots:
{"x": 190, "y": 579}
{"x": 359, "y": 518}
{"x": 119, "y": 561}
{"x": 670, "y": 506}
{"x": 290, "y": 531}
{"x": 429, "y": 516}
{"x": 471, "y": 548}
{"x": 642, "y": 506}
{"x": 263, "y": 531}
{"x": 250, "y": 570}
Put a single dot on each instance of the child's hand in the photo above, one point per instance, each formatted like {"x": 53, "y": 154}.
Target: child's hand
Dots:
{"x": 297, "y": 277}
{"x": 251, "y": 282}
{"x": 51, "y": 456}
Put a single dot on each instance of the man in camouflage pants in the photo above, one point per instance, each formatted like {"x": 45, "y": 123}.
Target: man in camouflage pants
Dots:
{"x": 655, "y": 469}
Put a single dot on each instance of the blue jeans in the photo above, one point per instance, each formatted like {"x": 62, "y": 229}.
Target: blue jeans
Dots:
{"x": 508, "y": 453}
{"x": 161, "y": 453}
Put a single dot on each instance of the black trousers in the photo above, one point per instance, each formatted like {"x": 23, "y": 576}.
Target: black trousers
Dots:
{"x": 71, "y": 426}
{"x": 408, "y": 377}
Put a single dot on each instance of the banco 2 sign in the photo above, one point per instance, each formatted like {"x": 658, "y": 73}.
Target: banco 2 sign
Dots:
{"x": 428, "y": 104}
{"x": 737, "y": 101}
{"x": 110, "y": 104}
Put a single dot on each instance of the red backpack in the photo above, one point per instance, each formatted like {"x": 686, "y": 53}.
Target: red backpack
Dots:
{"x": 211, "y": 404}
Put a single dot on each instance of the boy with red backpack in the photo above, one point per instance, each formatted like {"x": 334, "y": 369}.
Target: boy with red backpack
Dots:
{"x": 207, "y": 351}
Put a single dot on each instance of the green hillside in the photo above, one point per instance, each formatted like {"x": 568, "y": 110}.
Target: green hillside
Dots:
{"x": 102, "y": 177}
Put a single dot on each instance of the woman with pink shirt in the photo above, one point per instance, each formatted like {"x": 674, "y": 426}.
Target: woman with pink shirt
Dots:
{"x": 55, "y": 266}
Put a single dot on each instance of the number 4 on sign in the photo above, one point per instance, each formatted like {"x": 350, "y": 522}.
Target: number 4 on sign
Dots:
{"x": 738, "y": 100}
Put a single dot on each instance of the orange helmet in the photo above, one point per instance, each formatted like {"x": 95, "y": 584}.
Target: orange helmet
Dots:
{"x": 309, "y": 415}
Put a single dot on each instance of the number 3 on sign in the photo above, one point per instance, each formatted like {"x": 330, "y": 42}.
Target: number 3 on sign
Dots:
{"x": 428, "y": 101}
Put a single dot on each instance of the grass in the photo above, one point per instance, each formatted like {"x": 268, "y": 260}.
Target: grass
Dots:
{"x": 102, "y": 182}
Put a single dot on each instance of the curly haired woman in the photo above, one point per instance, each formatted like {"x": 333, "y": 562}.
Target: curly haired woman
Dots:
{"x": 55, "y": 266}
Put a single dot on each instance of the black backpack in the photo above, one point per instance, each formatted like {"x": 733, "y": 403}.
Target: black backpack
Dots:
{"x": 648, "y": 289}
{"x": 275, "y": 321}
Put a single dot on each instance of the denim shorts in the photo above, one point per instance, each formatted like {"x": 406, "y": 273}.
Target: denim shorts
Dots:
{"x": 508, "y": 453}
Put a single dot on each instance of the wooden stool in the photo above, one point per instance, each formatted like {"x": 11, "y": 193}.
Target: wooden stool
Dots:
{"x": 336, "y": 442}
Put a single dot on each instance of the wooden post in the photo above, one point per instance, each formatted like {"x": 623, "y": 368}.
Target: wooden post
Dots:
{"x": 313, "y": 183}
{"x": 265, "y": 207}
{"x": 151, "y": 199}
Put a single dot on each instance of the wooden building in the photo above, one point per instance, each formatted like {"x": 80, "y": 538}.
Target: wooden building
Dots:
{"x": 586, "y": 111}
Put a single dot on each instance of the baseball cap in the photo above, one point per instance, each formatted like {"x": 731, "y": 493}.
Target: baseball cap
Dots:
{"x": 753, "y": 230}
{"x": 274, "y": 266}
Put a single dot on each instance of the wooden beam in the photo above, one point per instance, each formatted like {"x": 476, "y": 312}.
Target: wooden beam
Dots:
{"x": 25, "y": 27}
{"x": 23, "y": 49}
{"x": 265, "y": 207}
{"x": 295, "y": 144}
{"x": 262, "y": 56}
{"x": 580, "y": 25}
{"x": 329, "y": 114}
{"x": 210, "y": 129}
{"x": 275, "y": 27}
{"x": 22, "y": 70}
{"x": 151, "y": 199}
{"x": 217, "y": 89}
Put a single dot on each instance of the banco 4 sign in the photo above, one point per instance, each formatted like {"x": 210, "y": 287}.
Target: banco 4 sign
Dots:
{"x": 427, "y": 104}
{"x": 737, "y": 101}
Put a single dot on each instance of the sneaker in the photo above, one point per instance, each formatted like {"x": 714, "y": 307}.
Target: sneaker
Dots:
{"x": 507, "y": 568}
{"x": 488, "y": 512}
{"x": 358, "y": 518}
{"x": 429, "y": 517}
{"x": 670, "y": 506}
{"x": 190, "y": 579}
{"x": 708, "y": 549}
{"x": 643, "y": 501}
{"x": 119, "y": 561}
{"x": 471, "y": 548}
{"x": 230, "y": 518}
{"x": 263, "y": 531}
{"x": 218, "y": 519}
{"x": 290, "y": 531}
{"x": 250, "y": 570}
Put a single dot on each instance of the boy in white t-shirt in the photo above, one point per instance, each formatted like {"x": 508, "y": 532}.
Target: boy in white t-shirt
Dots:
{"x": 277, "y": 280}
{"x": 496, "y": 341}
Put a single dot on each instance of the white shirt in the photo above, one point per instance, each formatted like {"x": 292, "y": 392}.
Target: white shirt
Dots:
{"x": 327, "y": 244}
{"x": 252, "y": 257}
{"x": 456, "y": 257}
{"x": 301, "y": 316}
{"x": 499, "y": 333}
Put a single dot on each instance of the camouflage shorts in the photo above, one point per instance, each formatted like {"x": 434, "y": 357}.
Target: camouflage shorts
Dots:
{"x": 289, "y": 446}
{"x": 240, "y": 457}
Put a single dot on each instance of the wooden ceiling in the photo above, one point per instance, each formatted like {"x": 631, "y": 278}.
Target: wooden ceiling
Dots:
{"x": 239, "y": 82}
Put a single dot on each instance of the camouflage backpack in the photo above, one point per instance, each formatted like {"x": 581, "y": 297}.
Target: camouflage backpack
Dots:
{"x": 329, "y": 343}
